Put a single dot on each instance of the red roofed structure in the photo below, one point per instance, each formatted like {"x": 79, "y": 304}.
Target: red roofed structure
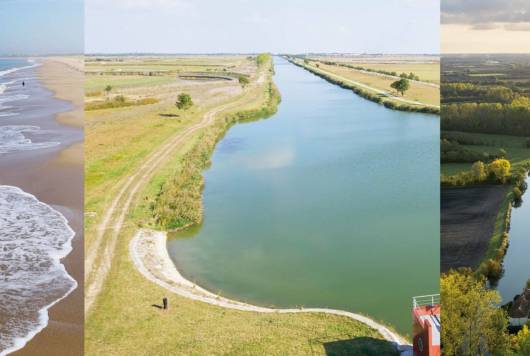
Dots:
{"x": 426, "y": 325}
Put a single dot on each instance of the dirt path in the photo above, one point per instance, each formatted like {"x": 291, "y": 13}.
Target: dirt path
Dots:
{"x": 149, "y": 254}
{"x": 99, "y": 256}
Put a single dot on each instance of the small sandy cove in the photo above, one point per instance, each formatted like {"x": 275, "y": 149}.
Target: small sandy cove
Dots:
{"x": 150, "y": 256}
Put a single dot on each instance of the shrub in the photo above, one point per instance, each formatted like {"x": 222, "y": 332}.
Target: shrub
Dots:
{"x": 243, "y": 80}
{"x": 184, "y": 101}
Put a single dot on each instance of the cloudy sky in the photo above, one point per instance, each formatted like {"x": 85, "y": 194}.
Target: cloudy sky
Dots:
{"x": 37, "y": 27}
{"x": 288, "y": 26}
{"x": 485, "y": 26}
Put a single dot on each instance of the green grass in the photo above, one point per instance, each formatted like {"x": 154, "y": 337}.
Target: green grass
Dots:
{"x": 491, "y": 265}
{"x": 126, "y": 323}
{"x": 517, "y": 153}
{"x": 115, "y": 103}
{"x": 501, "y": 226}
{"x": 486, "y": 74}
{"x": 96, "y": 83}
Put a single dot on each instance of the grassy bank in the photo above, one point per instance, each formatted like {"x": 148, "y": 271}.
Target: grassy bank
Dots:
{"x": 124, "y": 320}
{"x": 376, "y": 97}
{"x": 491, "y": 266}
{"x": 178, "y": 203}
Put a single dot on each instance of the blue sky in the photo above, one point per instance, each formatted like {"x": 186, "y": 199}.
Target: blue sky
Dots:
{"x": 36, "y": 27}
{"x": 286, "y": 26}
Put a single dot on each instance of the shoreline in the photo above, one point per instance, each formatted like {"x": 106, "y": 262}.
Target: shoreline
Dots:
{"x": 149, "y": 254}
{"x": 59, "y": 185}
{"x": 63, "y": 78}
{"x": 43, "y": 318}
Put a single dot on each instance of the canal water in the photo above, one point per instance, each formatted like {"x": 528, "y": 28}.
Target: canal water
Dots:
{"x": 516, "y": 271}
{"x": 332, "y": 202}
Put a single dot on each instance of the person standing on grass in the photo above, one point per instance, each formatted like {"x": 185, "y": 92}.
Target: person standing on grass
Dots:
{"x": 164, "y": 302}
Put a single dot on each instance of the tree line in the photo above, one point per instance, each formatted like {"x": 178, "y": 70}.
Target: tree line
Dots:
{"x": 452, "y": 92}
{"x": 490, "y": 118}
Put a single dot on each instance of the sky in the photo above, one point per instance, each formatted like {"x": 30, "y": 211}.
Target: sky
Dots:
{"x": 39, "y": 27}
{"x": 250, "y": 26}
{"x": 485, "y": 26}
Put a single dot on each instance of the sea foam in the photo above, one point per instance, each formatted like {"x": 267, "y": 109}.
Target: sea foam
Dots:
{"x": 33, "y": 239}
{"x": 12, "y": 139}
{"x": 12, "y": 70}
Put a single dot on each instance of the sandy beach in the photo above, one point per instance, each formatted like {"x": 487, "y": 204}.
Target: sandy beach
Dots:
{"x": 55, "y": 177}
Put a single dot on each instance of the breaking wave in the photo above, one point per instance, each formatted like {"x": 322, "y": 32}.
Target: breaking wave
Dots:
{"x": 12, "y": 139}
{"x": 34, "y": 237}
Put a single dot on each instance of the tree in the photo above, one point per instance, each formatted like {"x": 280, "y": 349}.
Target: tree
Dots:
{"x": 501, "y": 169}
{"x": 120, "y": 99}
{"x": 262, "y": 58}
{"x": 184, "y": 101}
{"x": 473, "y": 324}
{"x": 517, "y": 194}
{"x": 479, "y": 171}
{"x": 108, "y": 89}
{"x": 401, "y": 86}
{"x": 243, "y": 80}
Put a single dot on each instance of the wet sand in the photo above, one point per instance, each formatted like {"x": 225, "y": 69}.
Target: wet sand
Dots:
{"x": 55, "y": 177}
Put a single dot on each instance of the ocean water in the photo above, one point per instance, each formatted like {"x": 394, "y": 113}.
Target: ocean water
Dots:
{"x": 13, "y": 98}
{"x": 33, "y": 235}
{"x": 33, "y": 239}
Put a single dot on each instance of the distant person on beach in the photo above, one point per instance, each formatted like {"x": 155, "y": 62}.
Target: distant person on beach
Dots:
{"x": 23, "y": 84}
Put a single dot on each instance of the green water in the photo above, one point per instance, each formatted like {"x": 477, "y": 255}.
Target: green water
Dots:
{"x": 332, "y": 202}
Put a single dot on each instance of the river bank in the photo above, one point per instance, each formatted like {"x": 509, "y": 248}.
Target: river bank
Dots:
{"x": 54, "y": 176}
{"x": 150, "y": 256}
{"x": 515, "y": 259}
{"x": 378, "y": 96}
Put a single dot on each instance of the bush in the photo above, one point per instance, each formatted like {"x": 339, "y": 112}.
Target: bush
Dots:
{"x": 184, "y": 101}
{"x": 492, "y": 270}
{"x": 243, "y": 80}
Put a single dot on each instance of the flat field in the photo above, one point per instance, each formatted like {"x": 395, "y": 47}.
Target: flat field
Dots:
{"x": 426, "y": 67}
{"x": 419, "y": 92}
{"x": 469, "y": 218}
{"x": 498, "y": 80}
